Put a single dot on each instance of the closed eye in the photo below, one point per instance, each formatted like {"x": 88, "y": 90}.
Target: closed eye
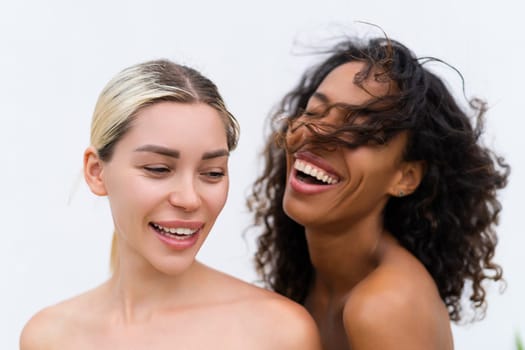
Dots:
{"x": 157, "y": 169}
{"x": 214, "y": 174}
{"x": 308, "y": 113}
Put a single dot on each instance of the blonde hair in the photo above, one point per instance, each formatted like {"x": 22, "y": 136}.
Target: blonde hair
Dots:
{"x": 140, "y": 86}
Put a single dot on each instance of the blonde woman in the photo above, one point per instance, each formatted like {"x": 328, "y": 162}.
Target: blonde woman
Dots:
{"x": 160, "y": 141}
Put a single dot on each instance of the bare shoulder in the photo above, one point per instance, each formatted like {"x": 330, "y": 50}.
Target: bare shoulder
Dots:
{"x": 286, "y": 324}
{"x": 36, "y": 333}
{"x": 48, "y": 327}
{"x": 397, "y": 306}
{"x": 272, "y": 319}
{"x": 43, "y": 330}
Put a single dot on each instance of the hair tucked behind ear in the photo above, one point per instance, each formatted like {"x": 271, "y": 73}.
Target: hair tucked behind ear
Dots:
{"x": 142, "y": 85}
{"x": 447, "y": 223}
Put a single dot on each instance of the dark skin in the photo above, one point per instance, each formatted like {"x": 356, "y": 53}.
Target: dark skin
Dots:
{"x": 368, "y": 292}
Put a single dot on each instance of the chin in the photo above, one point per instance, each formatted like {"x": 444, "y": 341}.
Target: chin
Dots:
{"x": 298, "y": 212}
{"x": 173, "y": 266}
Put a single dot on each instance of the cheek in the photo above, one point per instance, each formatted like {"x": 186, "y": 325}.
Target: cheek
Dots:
{"x": 215, "y": 197}
{"x": 130, "y": 187}
{"x": 129, "y": 193}
{"x": 369, "y": 159}
{"x": 127, "y": 203}
{"x": 376, "y": 169}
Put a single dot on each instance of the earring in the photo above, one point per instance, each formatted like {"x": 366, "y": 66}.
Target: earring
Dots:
{"x": 401, "y": 194}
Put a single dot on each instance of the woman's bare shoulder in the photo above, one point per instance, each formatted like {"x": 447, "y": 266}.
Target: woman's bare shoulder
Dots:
{"x": 397, "y": 306}
{"x": 40, "y": 331}
{"x": 267, "y": 315}
{"x": 47, "y": 327}
{"x": 278, "y": 317}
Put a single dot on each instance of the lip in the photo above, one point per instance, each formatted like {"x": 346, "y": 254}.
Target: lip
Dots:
{"x": 307, "y": 188}
{"x": 179, "y": 243}
{"x": 317, "y": 161}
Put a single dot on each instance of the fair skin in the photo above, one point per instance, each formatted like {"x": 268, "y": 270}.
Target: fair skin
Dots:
{"x": 368, "y": 292}
{"x": 169, "y": 172}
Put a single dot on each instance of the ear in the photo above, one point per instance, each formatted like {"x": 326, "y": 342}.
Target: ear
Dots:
{"x": 411, "y": 174}
{"x": 93, "y": 169}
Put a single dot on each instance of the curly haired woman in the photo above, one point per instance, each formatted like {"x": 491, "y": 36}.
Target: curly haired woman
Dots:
{"x": 378, "y": 200}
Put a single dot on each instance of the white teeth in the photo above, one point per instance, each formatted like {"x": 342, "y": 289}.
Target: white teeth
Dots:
{"x": 176, "y": 230}
{"x": 313, "y": 171}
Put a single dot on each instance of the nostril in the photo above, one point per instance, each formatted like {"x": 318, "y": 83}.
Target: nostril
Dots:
{"x": 186, "y": 199}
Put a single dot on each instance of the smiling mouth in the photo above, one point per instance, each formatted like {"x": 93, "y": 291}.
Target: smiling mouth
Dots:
{"x": 174, "y": 232}
{"x": 311, "y": 174}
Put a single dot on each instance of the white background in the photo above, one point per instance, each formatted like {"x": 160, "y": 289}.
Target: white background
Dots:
{"x": 55, "y": 57}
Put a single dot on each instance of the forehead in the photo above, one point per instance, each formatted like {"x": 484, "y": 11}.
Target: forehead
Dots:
{"x": 176, "y": 124}
{"x": 340, "y": 86}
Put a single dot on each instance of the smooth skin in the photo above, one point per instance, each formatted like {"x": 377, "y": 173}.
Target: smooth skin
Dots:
{"x": 170, "y": 169}
{"x": 368, "y": 291}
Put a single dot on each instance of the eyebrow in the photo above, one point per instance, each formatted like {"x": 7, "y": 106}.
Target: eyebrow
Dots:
{"x": 173, "y": 153}
{"x": 321, "y": 97}
{"x": 216, "y": 154}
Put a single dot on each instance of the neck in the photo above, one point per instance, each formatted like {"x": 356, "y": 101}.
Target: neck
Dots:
{"x": 343, "y": 257}
{"x": 139, "y": 290}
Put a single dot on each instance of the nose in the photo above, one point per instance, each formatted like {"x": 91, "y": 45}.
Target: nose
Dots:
{"x": 304, "y": 129}
{"x": 294, "y": 134}
{"x": 184, "y": 195}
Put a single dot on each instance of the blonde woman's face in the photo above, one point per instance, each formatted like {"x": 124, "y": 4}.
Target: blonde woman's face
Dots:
{"x": 167, "y": 181}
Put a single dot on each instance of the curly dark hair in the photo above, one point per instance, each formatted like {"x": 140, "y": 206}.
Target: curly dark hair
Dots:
{"x": 448, "y": 223}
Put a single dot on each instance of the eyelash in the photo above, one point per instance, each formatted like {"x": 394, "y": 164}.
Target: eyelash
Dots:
{"x": 312, "y": 114}
{"x": 157, "y": 170}
{"x": 215, "y": 175}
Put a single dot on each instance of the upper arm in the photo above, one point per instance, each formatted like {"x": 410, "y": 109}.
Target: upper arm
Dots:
{"x": 387, "y": 320}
